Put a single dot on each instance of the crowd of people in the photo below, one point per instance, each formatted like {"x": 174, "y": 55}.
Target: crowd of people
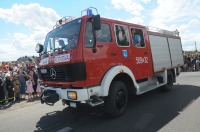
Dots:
{"x": 18, "y": 82}
{"x": 191, "y": 62}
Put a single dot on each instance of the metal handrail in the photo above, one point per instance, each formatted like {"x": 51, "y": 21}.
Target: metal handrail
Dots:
{"x": 89, "y": 8}
{"x": 64, "y": 20}
{"x": 163, "y": 31}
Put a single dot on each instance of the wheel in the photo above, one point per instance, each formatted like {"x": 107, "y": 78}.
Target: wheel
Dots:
{"x": 117, "y": 99}
{"x": 169, "y": 85}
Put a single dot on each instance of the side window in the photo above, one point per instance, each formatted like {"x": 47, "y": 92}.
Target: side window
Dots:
{"x": 89, "y": 38}
{"x": 137, "y": 37}
{"x": 103, "y": 35}
{"x": 121, "y": 34}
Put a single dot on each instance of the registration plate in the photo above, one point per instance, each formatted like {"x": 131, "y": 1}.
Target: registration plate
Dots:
{"x": 43, "y": 71}
{"x": 73, "y": 105}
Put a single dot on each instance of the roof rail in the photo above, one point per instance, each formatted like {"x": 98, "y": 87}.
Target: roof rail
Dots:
{"x": 71, "y": 18}
{"x": 63, "y": 21}
{"x": 167, "y": 32}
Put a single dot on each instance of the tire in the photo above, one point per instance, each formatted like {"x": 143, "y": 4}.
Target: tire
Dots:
{"x": 117, "y": 99}
{"x": 167, "y": 87}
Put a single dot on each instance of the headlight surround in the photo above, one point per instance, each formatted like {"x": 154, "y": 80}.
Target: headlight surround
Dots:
{"x": 72, "y": 95}
{"x": 39, "y": 48}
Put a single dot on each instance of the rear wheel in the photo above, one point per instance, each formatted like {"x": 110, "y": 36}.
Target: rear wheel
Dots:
{"x": 117, "y": 99}
{"x": 169, "y": 85}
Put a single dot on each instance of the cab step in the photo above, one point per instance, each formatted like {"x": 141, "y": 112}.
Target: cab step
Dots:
{"x": 95, "y": 101}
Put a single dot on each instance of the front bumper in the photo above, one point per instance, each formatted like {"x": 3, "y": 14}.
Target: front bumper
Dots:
{"x": 82, "y": 94}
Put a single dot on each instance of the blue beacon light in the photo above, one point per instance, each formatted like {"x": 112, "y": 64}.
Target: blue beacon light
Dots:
{"x": 89, "y": 12}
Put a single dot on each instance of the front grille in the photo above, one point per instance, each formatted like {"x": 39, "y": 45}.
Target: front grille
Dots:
{"x": 69, "y": 72}
{"x": 63, "y": 73}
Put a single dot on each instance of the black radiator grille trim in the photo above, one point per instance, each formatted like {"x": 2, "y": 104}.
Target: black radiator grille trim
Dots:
{"x": 68, "y": 72}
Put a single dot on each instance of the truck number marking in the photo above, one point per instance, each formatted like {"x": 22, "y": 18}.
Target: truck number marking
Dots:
{"x": 141, "y": 60}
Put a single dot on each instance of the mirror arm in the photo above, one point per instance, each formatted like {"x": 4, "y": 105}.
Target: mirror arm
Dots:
{"x": 94, "y": 34}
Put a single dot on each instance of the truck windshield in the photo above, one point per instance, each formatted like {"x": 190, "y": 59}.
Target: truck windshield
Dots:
{"x": 64, "y": 37}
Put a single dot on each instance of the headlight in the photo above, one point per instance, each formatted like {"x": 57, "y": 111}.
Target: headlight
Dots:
{"x": 72, "y": 95}
{"x": 39, "y": 48}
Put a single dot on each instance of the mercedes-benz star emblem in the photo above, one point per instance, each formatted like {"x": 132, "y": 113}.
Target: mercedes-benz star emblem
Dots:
{"x": 53, "y": 73}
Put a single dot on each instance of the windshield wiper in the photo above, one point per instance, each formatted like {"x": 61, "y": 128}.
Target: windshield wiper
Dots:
{"x": 57, "y": 49}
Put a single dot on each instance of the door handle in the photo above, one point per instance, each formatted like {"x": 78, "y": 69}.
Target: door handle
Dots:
{"x": 145, "y": 53}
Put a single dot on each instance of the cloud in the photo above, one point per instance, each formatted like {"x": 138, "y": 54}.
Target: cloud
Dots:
{"x": 189, "y": 33}
{"x": 191, "y": 25}
{"x": 188, "y": 40}
{"x": 189, "y": 48}
{"x": 10, "y": 53}
{"x": 135, "y": 7}
{"x": 170, "y": 11}
{"x": 21, "y": 45}
{"x": 39, "y": 20}
{"x": 33, "y": 16}
{"x": 145, "y": 1}
{"x": 136, "y": 20}
{"x": 131, "y": 6}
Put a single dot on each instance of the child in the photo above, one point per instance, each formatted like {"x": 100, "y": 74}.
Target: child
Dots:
{"x": 38, "y": 90}
{"x": 29, "y": 88}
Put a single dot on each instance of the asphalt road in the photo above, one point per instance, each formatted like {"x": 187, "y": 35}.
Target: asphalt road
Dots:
{"x": 177, "y": 110}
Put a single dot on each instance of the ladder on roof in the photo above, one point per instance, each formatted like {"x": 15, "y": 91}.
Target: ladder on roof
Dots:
{"x": 163, "y": 31}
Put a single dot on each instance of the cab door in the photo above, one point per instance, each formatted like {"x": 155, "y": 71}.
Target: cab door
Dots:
{"x": 141, "y": 54}
{"x": 99, "y": 62}
{"x": 124, "y": 52}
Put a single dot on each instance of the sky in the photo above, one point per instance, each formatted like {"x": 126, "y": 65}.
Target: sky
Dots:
{"x": 24, "y": 23}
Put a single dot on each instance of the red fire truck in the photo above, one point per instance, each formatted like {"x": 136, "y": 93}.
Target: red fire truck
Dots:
{"x": 95, "y": 60}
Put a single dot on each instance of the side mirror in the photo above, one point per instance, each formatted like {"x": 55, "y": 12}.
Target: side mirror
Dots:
{"x": 97, "y": 22}
{"x": 39, "y": 48}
